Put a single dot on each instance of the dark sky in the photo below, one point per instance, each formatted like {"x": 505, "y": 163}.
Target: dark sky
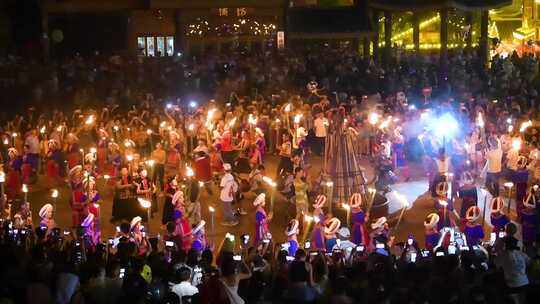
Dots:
{"x": 25, "y": 20}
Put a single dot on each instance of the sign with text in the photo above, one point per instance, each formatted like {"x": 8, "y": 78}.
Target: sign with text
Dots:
{"x": 233, "y": 11}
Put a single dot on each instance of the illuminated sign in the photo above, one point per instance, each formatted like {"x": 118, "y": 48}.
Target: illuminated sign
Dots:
{"x": 233, "y": 12}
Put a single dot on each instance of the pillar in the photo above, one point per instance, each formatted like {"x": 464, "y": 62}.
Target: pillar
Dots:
{"x": 444, "y": 36}
{"x": 387, "y": 37}
{"x": 469, "y": 21}
{"x": 179, "y": 33}
{"x": 376, "y": 37}
{"x": 416, "y": 32}
{"x": 483, "y": 46}
{"x": 366, "y": 44}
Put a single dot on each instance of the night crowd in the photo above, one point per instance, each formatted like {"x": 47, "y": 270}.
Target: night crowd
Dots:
{"x": 161, "y": 131}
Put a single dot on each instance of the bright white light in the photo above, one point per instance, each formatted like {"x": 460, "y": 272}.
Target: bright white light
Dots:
{"x": 445, "y": 126}
{"x": 193, "y": 104}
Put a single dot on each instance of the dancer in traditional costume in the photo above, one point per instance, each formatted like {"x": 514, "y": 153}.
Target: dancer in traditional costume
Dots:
{"x": 528, "y": 218}
{"x": 497, "y": 218}
{"x": 124, "y": 202}
{"x": 432, "y": 235}
{"x": 54, "y": 164}
{"x": 88, "y": 231}
{"x": 147, "y": 189}
{"x": 13, "y": 180}
{"x": 47, "y": 220}
{"x": 174, "y": 151}
{"x": 168, "y": 206}
{"x": 102, "y": 151}
{"x": 380, "y": 232}
{"x": 317, "y": 234}
{"x": 520, "y": 179}
{"x": 92, "y": 200}
{"x": 467, "y": 193}
{"x": 444, "y": 206}
{"x": 262, "y": 231}
{"x": 330, "y": 229}
{"x": 359, "y": 218}
{"x": 72, "y": 150}
{"x": 77, "y": 200}
{"x": 114, "y": 158}
{"x": 474, "y": 232}
{"x": 199, "y": 237}
{"x": 292, "y": 233}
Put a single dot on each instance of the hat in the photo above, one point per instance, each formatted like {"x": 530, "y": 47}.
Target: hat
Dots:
{"x": 75, "y": 170}
{"x": 178, "y": 197}
{"x": 431, "y": 220}
{"x": 89, "y": 179}
{"x": 356, "y": 200}
{"x": 467, "y": 178}
{"x": 442, "y": 189}
{"x": 292, "y": 228}
{"x": 136, "y": 220}
{"x": 522, "y": 162}
{"x": 88, "y": 220}
{"x": 530, "y": 201}
{"x": 44, "y": 210}
{"x": 199, "y": 227}
{"x": 13, "y": 151}
{"x": 344, "y": 232}
{"x": 301, "y": 132}
{"x": 259, "y": 199}
{"x": 497, "y": 205}
{"x": 379, "y": 223}
{"x": 472, "y": 214}
{"x": 53, "y": 143}
{"x": 103, "y": 132}
{"x": 332, "y": 225}
{"x": 173, "y": 133}
{"x": 227, "y": 167}
{"x": 319, "y": 201}
{"x": 89, "y": 157}
{"x": 259, "y": 132}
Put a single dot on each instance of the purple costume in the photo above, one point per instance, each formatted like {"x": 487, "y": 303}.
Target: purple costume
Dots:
{"x": 261, "y": 146}
{"x": 530, "y": 224}
{"x": 360, "y": 235}
{"x": 261, "y": 225}
{"x": 498, "y": 221}
{"x": 293, "y": 246}
{"x": 474, "y": 234}
{"x": 317, "y": 237}
{"x": 432, "y": 239}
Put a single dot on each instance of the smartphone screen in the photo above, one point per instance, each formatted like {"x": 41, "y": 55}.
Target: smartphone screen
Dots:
{"x": 413, "y": 257}
{"x": 451, "y": 249}
{"x": 492, "y": 237}
{"x": 380, "y": 246}
{"x": 169, "y": 244}
{"x": 440, "y": 253}
{"x": 502, "y": 234}
{"x": 307, "y": 245}
{"x": 360, "y": 248}
{"x": 122, "y": 272}
{"x": 237, "y": 258}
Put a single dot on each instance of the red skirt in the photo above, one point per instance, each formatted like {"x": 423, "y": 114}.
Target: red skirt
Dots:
{"x": 73, "y": 159}
{"x": 173, "y": 159}
{"x": 26, "y": 173}
{"x": 13, "y": 184}
{"x": 203, "y": 173}
{"x": 101, "y": 159}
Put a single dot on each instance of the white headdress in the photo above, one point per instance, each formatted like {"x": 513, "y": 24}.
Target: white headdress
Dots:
{"x": 46, "y": 209}
{"x": 379, "y": 223}
{"x": 259, "y": 199}
{"x": 473, "y": 213}
{"x": 497, "y": 205}
{"x": 332, "y": 225}
{"x": 431, "y": 220}
{"x": 292, "y": 228}
{"x": 319, "y": 201}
